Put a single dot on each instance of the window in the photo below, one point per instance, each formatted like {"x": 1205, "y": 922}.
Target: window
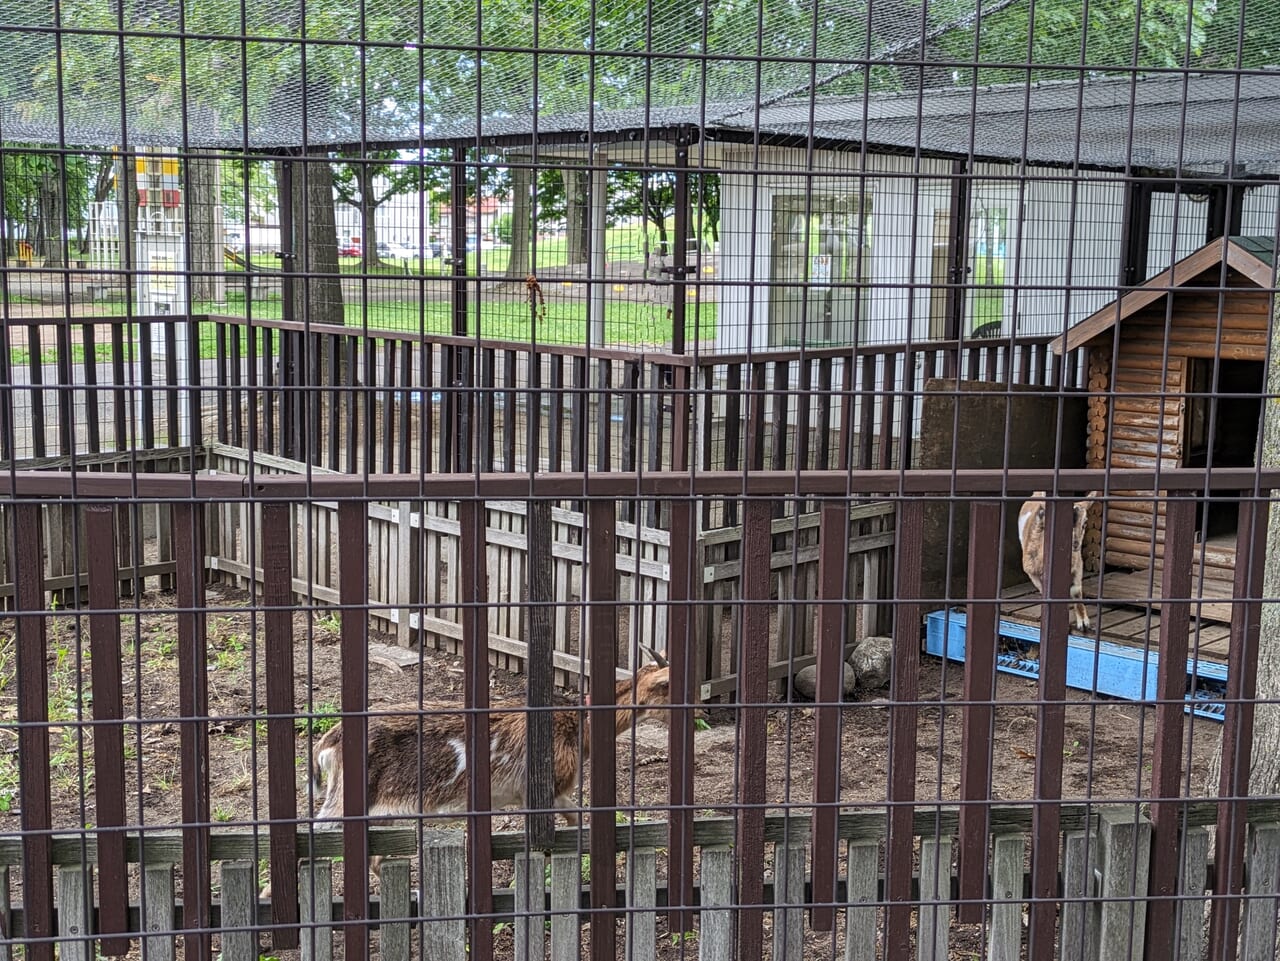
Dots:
{"x": 820, "y": 268}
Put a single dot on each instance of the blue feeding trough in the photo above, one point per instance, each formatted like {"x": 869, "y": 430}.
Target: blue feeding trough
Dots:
{"x": 1092, "y": 665}
{"x": 415, "y": 397}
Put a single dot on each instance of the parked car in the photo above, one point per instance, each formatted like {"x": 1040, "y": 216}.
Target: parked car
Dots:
{"x": 349, "y": 248}
{"x": 390, "y": 250}
{"x": 446, "y": 250}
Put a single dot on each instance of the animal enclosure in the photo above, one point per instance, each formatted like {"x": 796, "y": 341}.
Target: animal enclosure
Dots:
{"x": 605, "y": 426}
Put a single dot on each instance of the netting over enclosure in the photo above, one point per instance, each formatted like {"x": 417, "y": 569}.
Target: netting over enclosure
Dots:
{"x": 274, "y": 75}
{"x": 734, "y": 480}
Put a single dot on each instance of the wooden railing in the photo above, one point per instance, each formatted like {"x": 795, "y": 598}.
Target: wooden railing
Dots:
{"x": 385, "y": 401}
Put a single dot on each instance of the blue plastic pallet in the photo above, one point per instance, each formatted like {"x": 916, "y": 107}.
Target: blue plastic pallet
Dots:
{"x": 1092, "y": 665}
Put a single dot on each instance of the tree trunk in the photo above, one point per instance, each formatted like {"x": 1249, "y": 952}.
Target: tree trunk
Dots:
{"x": 368, "y": 217}
{"x": 575, "y": 215}
{"x": 126, "y": 209}
{"x": 521, "y": 217}
{"x": 52, "y": 215}
{"x": 317, "y": 299}
{"x": 103, "y": 183}
{"x": 664, "y": 244}
{"x": 1264, "y": 765}
{"x": 205, "y": 230}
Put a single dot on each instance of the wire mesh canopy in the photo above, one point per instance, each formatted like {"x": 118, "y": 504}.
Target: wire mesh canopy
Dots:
{"x": 263, "y": 74}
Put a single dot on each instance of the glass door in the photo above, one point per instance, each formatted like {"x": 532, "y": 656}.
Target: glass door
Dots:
{"x": 820, "y": 259}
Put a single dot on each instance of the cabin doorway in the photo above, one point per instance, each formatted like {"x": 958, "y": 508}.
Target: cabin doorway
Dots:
{"x": 1222, "y": 421}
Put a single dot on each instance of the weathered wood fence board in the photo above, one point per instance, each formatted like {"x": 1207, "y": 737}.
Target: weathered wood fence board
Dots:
{"x": 424, "y": 536}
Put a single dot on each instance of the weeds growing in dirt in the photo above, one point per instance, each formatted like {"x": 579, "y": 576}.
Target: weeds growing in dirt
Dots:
{"x": 323, "y": 715}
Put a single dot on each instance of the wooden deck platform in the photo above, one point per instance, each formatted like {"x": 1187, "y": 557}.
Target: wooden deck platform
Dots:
{"x": 1129, "y": 619}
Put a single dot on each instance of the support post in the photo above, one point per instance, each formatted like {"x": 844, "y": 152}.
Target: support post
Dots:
{"x": 596, "y": 227}
{"x": 957, "y": 249}
{"x": 679, "y": 268}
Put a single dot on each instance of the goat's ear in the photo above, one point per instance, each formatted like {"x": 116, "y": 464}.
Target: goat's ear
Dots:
{"x": 654, "y": 655}
{"x": 1040, "y": 515}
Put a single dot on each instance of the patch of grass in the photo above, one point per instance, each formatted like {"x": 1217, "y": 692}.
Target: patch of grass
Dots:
{"x": 562, "y": 322}
{"x": 165, "y": 646}
{"x": 9, "y": 781}
{"x": 323, "y": 717}
{"x": 330, "y": 623}
{"x": 229, "y": 652}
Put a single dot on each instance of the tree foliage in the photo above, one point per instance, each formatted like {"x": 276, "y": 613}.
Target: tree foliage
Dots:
{"x": 365, "y": 180}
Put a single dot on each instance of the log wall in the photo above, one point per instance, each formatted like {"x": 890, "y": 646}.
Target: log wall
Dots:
{"x": 1146, "y": 419}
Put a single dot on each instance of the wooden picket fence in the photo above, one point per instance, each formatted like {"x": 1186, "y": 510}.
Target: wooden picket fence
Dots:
{"x": 415, "y": 587}
{"x": 1103, "y": 870}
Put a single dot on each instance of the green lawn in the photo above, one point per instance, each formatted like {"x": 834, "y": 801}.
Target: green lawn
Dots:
{"x": 561, "y": 323}
{"x": 987, "y": 304}
{"x": 621, "y": 243}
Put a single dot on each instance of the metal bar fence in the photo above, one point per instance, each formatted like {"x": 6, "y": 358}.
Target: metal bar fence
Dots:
{"x": 920, "y": 886}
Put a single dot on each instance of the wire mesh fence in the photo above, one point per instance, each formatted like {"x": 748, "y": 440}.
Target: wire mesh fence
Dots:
{"x": 583, "y": 479}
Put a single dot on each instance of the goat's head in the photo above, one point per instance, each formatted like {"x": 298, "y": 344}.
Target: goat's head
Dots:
{"x": 650, "y": 682}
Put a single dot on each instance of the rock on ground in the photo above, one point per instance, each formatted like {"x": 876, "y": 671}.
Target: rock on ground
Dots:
{"x": 872, "y": 662}
{"x": 805, "y": 682}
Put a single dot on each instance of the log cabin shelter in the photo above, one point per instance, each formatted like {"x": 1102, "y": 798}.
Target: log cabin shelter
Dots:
{"x": 1176, "y": 378}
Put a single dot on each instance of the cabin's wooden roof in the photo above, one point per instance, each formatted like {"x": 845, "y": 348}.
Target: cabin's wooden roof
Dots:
{"x": 1253, "y": 257}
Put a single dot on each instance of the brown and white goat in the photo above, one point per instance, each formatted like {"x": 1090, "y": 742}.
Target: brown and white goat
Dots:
{"x": 1031, "y": 536}
{"x": 417, "y": 757}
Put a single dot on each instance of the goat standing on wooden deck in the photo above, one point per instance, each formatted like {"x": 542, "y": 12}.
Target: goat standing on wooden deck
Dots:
{"x": 1031, "y": 536}
{"x": 417, "y": 756}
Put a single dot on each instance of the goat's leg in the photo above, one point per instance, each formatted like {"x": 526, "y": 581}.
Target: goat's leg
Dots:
{"x": 571, "y": 817}
{"x": 1078, "y": 608}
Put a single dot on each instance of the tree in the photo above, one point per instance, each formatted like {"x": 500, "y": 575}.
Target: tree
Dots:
{"x": 1117, "y": 34}
{"x": 649, "y": 195}
{"x": 707, "y": 192}
{"x": 45, "y": 199}
{"x": 366, "y": 181}
{"x": 206, "y": 246}
{"x": 251, "y": 179}
{"x": 318, "y": 295}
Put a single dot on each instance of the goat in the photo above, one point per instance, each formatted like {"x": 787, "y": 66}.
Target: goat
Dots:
{"x": 1031, "y": 536}
{"x": 417, "y": 755}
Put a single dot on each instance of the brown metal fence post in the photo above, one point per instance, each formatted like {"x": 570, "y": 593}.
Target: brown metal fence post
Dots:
{"x": 33, "y": 736}
{"x": 353, "y": 595}
{"x": 1171, "y": 686}
{"x": 475, "y": 672}
{"x": 193, "y": 684}
{"x": 539, "y": 763}
{"x": 681, "y": 654}
{"x": 981, "y": 634}
{"x": 1046, "y": 815}
{"x": 904, "y": 716}
{"x": 108, "y": 739}
{"x": 753, "y": 699}
{"x": 832, "y": 614}
{"x": 603, "y": 640}
{"x": 282, "y": 794}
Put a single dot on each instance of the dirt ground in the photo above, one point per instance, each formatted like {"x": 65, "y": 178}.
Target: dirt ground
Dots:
{"x": 1106, "y": 755}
